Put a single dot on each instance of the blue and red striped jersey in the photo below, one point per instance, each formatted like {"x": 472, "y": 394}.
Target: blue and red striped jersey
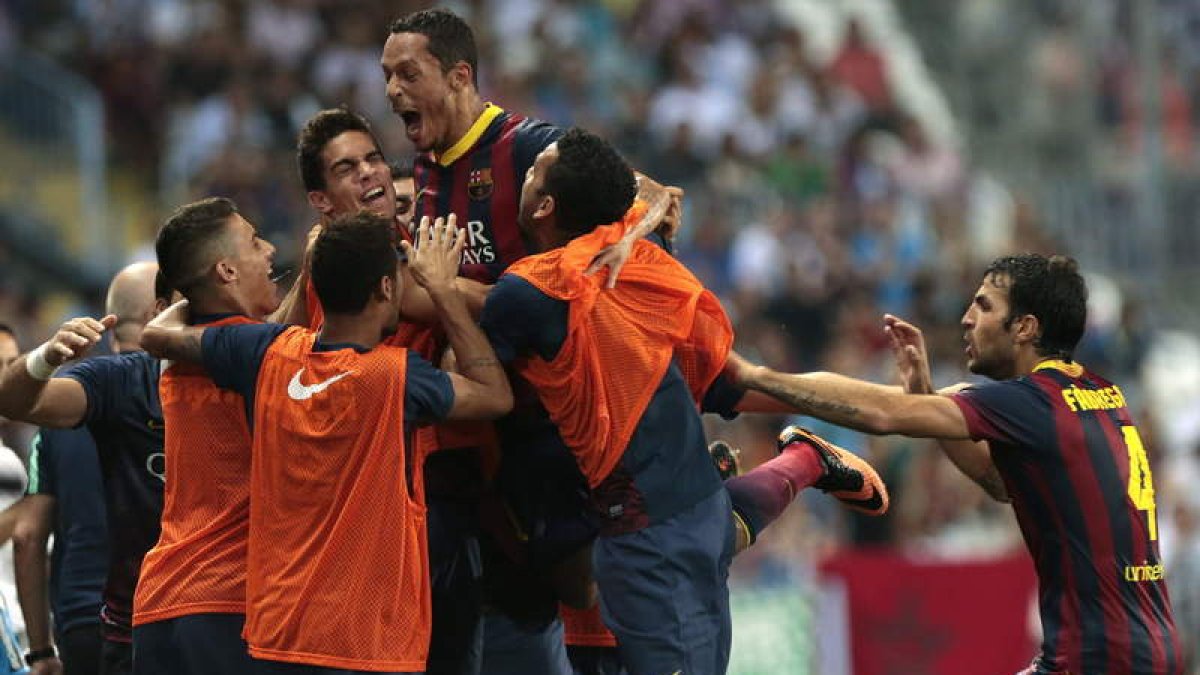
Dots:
{"x": 1081, "y": 485}
{"x": 479, "y": 180}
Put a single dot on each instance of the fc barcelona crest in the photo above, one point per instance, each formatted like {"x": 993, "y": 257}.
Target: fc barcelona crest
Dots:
{"x": 479, "y": 184}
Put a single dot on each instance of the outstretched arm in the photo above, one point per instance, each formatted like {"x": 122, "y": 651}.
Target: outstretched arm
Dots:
{"x": 28, "y": 392}
{"x": 168, "y": 335}
{"x": 865, "y": 406}
{"x": 973, "y": 458}
{"x": 481, "y": 389}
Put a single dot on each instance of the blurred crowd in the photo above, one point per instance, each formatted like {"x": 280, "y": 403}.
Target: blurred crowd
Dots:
{"x": 815, "y": 201}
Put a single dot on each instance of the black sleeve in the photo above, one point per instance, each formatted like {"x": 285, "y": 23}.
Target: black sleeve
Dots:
{"x": 722, "y": 398}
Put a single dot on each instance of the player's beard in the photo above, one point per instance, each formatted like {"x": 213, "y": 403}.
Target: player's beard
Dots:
{"x": 990, "y": 366}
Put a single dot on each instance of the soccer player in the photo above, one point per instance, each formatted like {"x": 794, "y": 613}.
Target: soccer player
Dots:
{"x": 337, "y": 578}
{"x": 343, "y": 170}
{"x": 1062, "y": 440}
{"x": 189, "y": 609}
{"x": 620, "y": 373}
{"x": 65, "y": 498}
{"x": 116, "y": 397}
{"x": 474, "y": 154}
{"x": 473, "y": 158}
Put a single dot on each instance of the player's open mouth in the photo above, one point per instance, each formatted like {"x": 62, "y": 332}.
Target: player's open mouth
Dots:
{"x": 412, "y": 122}
{"x": 371, "y": 197}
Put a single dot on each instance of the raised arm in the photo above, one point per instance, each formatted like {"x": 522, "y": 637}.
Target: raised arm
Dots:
{"x": 481, "y": 389}
{"x": 865, "y": 406}
{"x": 168, "y": 335}
{"x": 973, "y": 458}
{"x": 664, "y": 213}
{"x": 28, "y": 390}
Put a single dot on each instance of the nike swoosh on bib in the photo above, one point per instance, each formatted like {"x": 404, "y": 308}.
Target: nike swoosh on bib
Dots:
{"x": 300, "y": 392}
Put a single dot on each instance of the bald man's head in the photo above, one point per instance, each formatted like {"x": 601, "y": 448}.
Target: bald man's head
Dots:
{"x": 131, "y": 297}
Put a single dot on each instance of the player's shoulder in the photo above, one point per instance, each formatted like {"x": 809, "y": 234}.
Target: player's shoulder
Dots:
{"x": 515, "y": 290}
{"x": 276, "y": 336}
{"x": 1023, "y": 389}
{"x": 125, "y": 363}
{"x": 531, "y": 134}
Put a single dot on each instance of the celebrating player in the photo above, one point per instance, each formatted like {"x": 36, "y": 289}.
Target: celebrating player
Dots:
{"x": 473, "y": 159}
{"x": 620, "y": 372}
{"x": 190, "y": 605}
{"x": 337, "y": 497}
{"x": 343, "y": 170}
{"x": 1065, "y": 445}
{"x": 116, "y": 397}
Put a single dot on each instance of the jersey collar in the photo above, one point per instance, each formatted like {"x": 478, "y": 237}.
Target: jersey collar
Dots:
{"x": 1071, "y": 369}
{"x": 460, "y": 148}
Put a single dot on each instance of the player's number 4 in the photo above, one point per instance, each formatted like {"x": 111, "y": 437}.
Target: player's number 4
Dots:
{"x": 1141, "y": 482}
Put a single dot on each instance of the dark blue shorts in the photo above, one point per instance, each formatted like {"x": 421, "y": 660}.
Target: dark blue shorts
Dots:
{"x": 664, "y": 591}
{"x": 197, "y": 644}
{"x": 595, "y": 660}
{"x": 514, "y": 648}
{"x": 456, "y": 642}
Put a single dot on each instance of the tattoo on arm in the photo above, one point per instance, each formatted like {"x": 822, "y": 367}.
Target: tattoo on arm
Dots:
{"x": 810, "y": 402}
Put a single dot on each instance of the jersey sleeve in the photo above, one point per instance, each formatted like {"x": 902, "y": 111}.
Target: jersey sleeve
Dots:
{"x": 722, "y": 398}
{"x": 233, "y": 354}
{"x": 533, "y": 137}
{"x": 428, "y": 393}
{"x": 105, "y": 382}
{"x": 41, "y": 478}
{"x": 1014, "y": 412}
{"x": 519, "y": 320}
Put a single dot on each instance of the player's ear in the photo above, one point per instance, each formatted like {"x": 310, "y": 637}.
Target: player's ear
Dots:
{"x": 385, "y": 289}
{"x": 1027, "y": 328}
{"x": 460, "y": 75}
{"x": 545, "y": 207}
{"x": 226, "y": 272}
{"x": 320, "y": 202}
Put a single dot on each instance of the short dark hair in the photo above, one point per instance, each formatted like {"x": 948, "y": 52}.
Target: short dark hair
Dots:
{"x": 1049, "y": 288}
{"x": 5, "y": 328}
{"x": 350, "y": 256}
{"x": 450, "y": 38}
{"x": 162, "y": 287}
{"x": 190, "y": 241}
{"x": 317, "y": 132}
{"x": 591, "y": 183}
